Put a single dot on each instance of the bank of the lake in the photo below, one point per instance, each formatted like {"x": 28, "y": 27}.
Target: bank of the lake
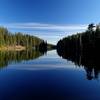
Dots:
{"x": 12, "y": 48}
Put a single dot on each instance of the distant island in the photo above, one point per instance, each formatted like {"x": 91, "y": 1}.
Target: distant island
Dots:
{"x": 19, "y": 41}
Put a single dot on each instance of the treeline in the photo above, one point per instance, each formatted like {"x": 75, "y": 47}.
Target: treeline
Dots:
{"x": 10, "y": 39}
{"x": 44, "y": 47}
{"x": 87, "y": 41}
{"x": 83, "y": 49}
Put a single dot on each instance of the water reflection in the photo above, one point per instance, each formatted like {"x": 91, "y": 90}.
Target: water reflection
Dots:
{"x": 88, "y": 59}
{"x": 8, "y": 57}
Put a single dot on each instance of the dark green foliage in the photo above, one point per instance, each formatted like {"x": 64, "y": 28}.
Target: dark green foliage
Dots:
{"x": 9, "y": 39}
{"x": 43, "y": 46}
{"x": 90, "y": 27}
{"x": 81, "y": 41}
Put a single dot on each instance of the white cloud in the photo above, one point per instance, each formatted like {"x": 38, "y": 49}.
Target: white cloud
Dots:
{"x": 50, "y": 32}
{"x": 40, "y": 26}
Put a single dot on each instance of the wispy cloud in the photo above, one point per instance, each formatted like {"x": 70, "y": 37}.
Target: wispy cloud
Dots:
{"x": 40, "y": 26}
{"x": 50, "y": 32}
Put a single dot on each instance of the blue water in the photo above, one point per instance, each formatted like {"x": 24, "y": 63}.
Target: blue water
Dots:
{"x": 48, "y": 77}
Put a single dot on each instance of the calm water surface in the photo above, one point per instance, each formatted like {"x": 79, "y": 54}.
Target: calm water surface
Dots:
{"x": 34, "y": 76}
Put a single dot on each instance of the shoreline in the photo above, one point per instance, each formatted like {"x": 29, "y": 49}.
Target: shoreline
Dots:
{"x": 12, "y": 48}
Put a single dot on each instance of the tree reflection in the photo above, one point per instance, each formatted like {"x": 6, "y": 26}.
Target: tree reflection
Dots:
{"x": 8, "y": 57}
{"x": 86, "y": 58}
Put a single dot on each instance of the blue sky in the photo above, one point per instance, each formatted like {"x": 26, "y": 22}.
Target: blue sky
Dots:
{"x": 49, "y": 19}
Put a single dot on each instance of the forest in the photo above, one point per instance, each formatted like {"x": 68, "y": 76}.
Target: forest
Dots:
{"x": 87, "y": 41}
{"x": 8, "y": 39}
{"x": 83, "y": 49}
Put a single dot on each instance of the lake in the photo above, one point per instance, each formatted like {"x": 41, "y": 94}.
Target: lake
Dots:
{"x": 32, "y": 75}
